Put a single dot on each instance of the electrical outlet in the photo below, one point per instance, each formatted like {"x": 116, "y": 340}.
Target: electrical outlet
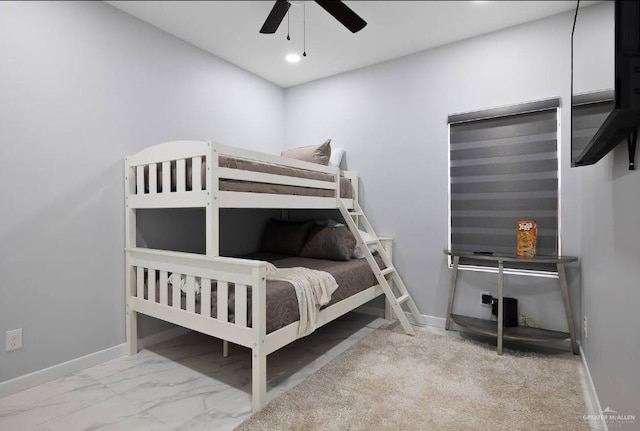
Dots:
{"x": 584, "y": 326}
{"x": 13, "y": 340}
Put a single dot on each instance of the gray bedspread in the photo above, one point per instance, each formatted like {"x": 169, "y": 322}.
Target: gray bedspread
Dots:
{"x": 247, "y": 186}
{"x": 352, "y": 276}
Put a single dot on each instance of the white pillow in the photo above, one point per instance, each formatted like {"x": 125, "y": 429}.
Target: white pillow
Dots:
{"x": 336, "y": 156}
{"x": 358, "y": 254}
{"x": 332, "y": 223}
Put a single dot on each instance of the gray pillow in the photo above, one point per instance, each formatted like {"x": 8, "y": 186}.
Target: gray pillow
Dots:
{"x": 319, "y": 154}
{"x": 284, "y": 237}
{"x": 331, "y": 243}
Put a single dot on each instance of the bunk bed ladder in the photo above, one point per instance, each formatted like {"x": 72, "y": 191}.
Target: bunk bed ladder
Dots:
{"x": 387, "y": 277}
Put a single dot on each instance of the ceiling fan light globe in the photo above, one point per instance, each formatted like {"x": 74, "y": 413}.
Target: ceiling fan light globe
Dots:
{"x": 292, "y": 58}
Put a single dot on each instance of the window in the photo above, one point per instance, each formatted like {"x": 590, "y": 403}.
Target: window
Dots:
{"x": 503, "y": 167}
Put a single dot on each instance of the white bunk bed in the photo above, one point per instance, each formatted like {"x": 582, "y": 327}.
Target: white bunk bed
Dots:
{"x": 186, "y": 174}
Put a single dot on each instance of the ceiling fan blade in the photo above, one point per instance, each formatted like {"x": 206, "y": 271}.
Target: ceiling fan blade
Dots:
{"x": 275, "y": 17}
{"x": 342, "y": 13}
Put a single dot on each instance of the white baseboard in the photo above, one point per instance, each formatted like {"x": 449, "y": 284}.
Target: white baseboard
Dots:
{"x": 432, "y": 321}
{"x": 74, "y": 365}
{"x": 60, "y": 370}
{"x": 591, "y": 399}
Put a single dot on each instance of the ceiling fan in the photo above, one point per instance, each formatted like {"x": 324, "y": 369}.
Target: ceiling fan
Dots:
{"x": 337, "y": 9}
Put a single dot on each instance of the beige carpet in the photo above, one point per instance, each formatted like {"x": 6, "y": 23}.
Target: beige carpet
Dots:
{"x": 390, "y": 381}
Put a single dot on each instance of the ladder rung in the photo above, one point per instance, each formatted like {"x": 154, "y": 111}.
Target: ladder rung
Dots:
{"x": 402, "y": 299}
{"x": 387, "y": 270}
{"x": 387, "y": 284}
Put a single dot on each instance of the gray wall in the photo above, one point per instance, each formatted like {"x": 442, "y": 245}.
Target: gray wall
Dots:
{"x": 611, "y": 280}
{"x": 83, "y": 85}
{"x": 610, "y": 250}
{"x": 392, "y": 119}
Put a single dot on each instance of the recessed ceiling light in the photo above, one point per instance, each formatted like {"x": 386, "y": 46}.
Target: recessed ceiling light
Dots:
{"x": 292, "y": 58}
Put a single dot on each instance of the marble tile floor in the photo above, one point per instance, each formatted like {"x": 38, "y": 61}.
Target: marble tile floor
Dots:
{"x": 182, "y": 384}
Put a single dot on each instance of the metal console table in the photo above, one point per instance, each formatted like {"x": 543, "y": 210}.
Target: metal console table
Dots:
{"x": 496, "y": 329}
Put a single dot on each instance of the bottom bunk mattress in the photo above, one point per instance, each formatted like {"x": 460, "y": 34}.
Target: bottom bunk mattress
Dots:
{"x": 352, "y": 276}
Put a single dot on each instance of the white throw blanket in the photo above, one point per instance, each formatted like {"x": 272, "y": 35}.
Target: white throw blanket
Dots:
{"x": 313, "y": 289}
{"x": 181, "y": 281}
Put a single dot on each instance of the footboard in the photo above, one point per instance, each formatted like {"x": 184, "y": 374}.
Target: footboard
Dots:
{"x": 164, "y": 285}
{"x": 150, "y": 292}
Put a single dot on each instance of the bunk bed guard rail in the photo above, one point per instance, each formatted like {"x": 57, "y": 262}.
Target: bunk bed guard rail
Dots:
{"x": 187, "y": 174}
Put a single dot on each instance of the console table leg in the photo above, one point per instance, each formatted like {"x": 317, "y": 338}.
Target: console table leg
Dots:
{"x": 567, "y": 306}
{"x": 452, "y": 291}
{"x": 500, "y": 304}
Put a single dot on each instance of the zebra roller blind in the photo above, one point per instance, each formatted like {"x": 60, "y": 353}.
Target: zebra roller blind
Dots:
{"x": 504, "y": 168}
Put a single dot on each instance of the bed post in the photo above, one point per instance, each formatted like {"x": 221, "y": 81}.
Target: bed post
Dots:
{"x": 258, "y": 351}
{"x": 212, "y": 222}
{"x": 130, "y": 242}
{"x": 353, "y": 177}
{"x": 213, "y": 206}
